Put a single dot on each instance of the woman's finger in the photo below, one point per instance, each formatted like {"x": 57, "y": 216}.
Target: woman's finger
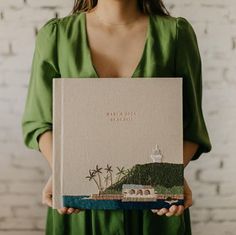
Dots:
{"x": 172, "y": 210}
{"x": 70, "y": 210}
{"x": 162, "y": 211}
{"x": 154, "y": 210}
{"x": 180, "y": 210}
{"x": 62, "y": 210}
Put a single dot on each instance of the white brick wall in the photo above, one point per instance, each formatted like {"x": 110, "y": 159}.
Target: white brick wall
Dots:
{"x": 23, "y": 172}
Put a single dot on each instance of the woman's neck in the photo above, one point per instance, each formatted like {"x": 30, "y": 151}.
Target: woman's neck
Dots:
{"x": 117, "y": 11}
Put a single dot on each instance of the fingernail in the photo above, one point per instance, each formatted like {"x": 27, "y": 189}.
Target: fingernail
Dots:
{"x": 160, "y": 212}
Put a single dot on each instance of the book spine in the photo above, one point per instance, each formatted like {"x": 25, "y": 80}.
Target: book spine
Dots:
{"x": 56, "y": 148}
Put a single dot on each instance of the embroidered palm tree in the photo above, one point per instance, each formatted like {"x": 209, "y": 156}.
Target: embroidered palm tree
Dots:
{"x": 109, "y": 171}
{"x": 128, "y": 171}
{"x": 121, "y": 171}
{"x": 97, "y": 171}
{"x": 106, "y": 179}
{"x": 91, "y": 176}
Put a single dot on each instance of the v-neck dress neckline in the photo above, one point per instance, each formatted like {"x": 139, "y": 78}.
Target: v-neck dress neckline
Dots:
{"x": 89, "y": 53}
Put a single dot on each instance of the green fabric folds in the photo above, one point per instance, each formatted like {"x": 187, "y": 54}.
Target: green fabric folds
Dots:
{"x": 117, "y": 222}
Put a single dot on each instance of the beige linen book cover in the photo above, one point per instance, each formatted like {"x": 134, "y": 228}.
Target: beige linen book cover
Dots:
{"x": 117, "y": 143}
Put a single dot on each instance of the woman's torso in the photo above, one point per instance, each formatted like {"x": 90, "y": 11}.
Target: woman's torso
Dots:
{"x": 75, "y": 58}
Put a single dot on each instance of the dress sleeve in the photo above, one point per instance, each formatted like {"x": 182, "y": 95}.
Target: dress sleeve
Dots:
{"x": 188, "y": 66}
{"x": 37, "y": 115}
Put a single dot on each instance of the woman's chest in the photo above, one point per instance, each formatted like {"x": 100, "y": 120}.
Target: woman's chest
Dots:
{"x": 116, "y": 56}
{"x": 119, "y": 56}
{"x": 116, "y": 49}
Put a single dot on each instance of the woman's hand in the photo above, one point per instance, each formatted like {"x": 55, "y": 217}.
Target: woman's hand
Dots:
{"x": 177, "y": 210}
{"x": 47, "y": 199}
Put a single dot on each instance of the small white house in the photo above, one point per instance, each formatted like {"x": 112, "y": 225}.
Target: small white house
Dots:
{"x": 136, "y": 192}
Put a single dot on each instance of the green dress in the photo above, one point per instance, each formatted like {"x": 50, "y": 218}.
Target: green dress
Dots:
{"x": 62, "y": 50}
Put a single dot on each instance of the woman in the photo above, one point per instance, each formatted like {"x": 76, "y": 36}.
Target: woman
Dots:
{"x": 111, "y": 38}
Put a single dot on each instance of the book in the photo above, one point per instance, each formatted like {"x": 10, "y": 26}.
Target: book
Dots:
{"x": 117, "y": 143}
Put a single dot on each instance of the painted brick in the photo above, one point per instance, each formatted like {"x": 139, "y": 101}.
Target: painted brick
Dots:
{"x": 212, "y": 177}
